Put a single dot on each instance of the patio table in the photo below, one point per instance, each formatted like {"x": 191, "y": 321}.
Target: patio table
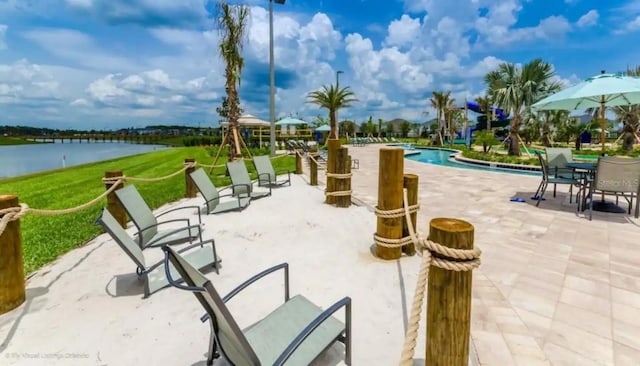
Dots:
{"x": 588, "y": 170}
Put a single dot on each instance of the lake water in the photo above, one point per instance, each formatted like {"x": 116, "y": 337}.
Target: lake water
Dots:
{"x": 18, "y": 160}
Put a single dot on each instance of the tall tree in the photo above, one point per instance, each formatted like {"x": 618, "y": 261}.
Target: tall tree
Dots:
{"x": 232, "y": 22}
{"x": 441, "y": 102}
{"x": 333, "y": 99}
{"x": 514, "y": 88}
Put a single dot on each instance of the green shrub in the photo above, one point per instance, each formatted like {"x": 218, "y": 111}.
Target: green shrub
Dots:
{"x": 498, "y": 158}
{"x": 486, "y": 139}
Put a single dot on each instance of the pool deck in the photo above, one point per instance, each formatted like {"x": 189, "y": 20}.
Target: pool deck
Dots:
{"x": 553, "y": 287}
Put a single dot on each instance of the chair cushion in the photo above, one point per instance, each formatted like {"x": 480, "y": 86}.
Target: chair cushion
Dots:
{"x": 271, "y": 336}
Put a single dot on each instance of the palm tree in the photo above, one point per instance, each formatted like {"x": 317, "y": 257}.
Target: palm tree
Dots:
{"x": 629, "y": 115}
{"x": 332, "y": 98}
{"x": 232, "y": 22}
{"x": 515, "y": 88}
{"x": 441, "y": 102}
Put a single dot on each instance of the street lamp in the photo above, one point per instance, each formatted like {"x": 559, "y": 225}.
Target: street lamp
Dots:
{"x": 272, "y": 81}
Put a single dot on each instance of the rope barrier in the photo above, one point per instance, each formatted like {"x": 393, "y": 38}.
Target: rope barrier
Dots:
{"x": 125, "y": 178}
{"x": 448, "y": 258}
{"x": 15, "y": 213}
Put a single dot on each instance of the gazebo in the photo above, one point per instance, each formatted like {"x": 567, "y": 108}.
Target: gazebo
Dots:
{"x": 248, "y": 121}
{"x": 290, "y": 123}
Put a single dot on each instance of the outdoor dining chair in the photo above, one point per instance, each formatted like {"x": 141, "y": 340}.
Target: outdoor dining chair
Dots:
{"x": 557, "y": 160}
{"x": 619, "y": 176}
{"x": 295, "y": 333}
{"x": 551, "y": 179}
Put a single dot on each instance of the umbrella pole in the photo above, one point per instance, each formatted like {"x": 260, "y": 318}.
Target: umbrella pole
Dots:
{"x": 603, "y": 124}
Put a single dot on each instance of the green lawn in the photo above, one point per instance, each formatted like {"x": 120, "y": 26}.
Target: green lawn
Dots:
{"x": 4, "y": 141}
{"x": 46, "y": 237}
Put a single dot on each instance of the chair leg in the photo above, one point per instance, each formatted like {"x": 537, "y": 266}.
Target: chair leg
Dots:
{"x": 538, "y": 190}
{"x": 544, "y": 188}
{"x": 570, "y": 192}
{"x": 590, "y": 204}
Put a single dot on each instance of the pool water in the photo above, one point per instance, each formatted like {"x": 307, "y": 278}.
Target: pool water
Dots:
{"x": 441, "y": 157}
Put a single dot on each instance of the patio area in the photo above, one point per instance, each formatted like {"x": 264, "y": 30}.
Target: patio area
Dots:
{"x": 553, "y": 289}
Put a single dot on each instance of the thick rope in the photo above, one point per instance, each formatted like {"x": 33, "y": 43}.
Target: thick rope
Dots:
{"x": 455, "y": 260}
{"x": 15, "y": 213}
{"x": 426, "y": 247}
{"x": 124, "y": 178}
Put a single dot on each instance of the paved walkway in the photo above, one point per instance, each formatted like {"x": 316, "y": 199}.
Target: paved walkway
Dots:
{"x": 554, "y": 287}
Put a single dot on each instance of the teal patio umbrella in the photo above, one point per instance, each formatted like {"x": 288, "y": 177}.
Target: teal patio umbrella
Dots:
{"x": 288, "y": 121}
{"x": 600, "y": 91}
{"x": 323, "y": 128}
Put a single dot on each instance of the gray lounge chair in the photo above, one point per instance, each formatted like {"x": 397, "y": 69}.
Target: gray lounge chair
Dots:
{"x": 241, "y": 182}
{"x": 619, "y": 176}
{"x": 551, "y": 179}
{"x": 267, "y": 175}
{"x": 147, "y": 223}
{"x": 212, "y": 196}
{"x": 295, "y": 333}
{"x": 154, "y": 276}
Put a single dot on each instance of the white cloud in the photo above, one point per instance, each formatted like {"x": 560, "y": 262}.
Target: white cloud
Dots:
{"x": 3, "y": 32}
{"x": 26, "y": 83}
{"x": 403, "y": 31}
{"x": 178, "y": 77}
{"x": 589, "y": 19}
{"x": 77, "y": 48}
{"x": 631, "y": 26}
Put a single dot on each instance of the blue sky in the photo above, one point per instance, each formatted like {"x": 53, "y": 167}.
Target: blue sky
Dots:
{"x": 107, "y": 64}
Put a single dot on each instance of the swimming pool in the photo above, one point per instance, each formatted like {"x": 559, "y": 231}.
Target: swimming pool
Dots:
{"x": 443, "y": 157}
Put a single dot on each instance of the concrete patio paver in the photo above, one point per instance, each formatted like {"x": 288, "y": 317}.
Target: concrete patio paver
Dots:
{"x": 548, "y": 274}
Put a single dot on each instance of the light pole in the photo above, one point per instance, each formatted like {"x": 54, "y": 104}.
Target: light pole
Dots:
{"x": 337, "y": 88}
{"x": 272, "y": 82}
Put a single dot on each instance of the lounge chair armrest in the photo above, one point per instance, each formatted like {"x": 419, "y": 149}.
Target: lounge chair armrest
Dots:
{"x": 260, "y": 275}
{"x": 163, "y": 222}
{"x": 171, "y": 232}
{"x": 255, "y": 278}
{"x": 248, "y": 186}
{"x": 172, "y": 281}
{"x": 345, "y": 302}
{"x": 261, "y": 178}
{"x": 181, "y": 208}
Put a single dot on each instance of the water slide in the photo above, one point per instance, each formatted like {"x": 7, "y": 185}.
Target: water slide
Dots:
{"x": 473, "y": 106}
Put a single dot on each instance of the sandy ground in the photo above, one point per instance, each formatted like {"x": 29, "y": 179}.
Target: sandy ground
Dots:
{"x": 87, "y": 307}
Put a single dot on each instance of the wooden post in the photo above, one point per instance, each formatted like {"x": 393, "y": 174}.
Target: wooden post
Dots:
{"x": 114, "y": 207}
{"x": 12, "y": 292}
{"x": 298, "y": 162}
{"x": 313, "y": 170}
{"x": 332, "y": 146}
{"x": 390, "y": 183}
{"x": 411, "y": 184}
{"x": 190, "y": 188}
{"x": 449, "y": 298}
{"x": 343, "y": 166}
